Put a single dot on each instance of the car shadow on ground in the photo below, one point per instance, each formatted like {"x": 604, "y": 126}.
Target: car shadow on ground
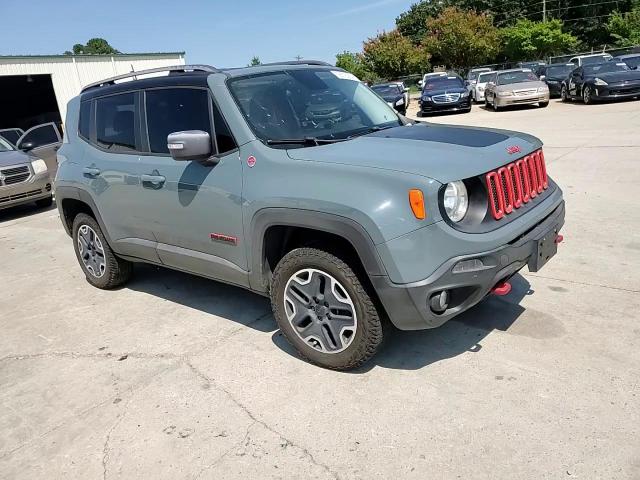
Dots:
{"x": 208, "y": 296}
{"x": 23, "y": 211}
{"x": 510, "y": 108}
{"x": 412, "y": 350}
{"x": 404, "y": 350}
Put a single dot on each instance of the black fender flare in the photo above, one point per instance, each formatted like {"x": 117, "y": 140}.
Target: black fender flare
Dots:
{"x": 75, "y": 193}
{"x": 338, "y": 225}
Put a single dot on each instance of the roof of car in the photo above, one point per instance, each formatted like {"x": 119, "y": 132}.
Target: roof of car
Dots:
{"x": 593, "y": 55}
{"x": 628, "y": 55}
{"x": 561, "y": 64}
{"x": 188, "y": 75}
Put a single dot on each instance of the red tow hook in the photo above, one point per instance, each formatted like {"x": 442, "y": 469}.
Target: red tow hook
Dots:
{"x": 501, "y": 289}
{"x": 559, "y": 239}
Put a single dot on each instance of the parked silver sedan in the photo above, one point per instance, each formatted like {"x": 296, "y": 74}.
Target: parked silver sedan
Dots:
{"x": 519, "y": 86}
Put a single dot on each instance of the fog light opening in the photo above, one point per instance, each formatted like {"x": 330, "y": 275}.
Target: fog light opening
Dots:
{"x": 439, "y": 301}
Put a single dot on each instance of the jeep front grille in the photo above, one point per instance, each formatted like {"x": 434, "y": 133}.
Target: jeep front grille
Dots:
{"x": 13, "y": 175}
{"x": 515, "y": 184}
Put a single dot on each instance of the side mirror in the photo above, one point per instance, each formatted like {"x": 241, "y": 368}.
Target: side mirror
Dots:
{"x": 542, "y": 77}
{"x": 189, "y": 145}
{"x": 420, "y": 83}
{"x": 406, "y": 89}
{"x": 27, "y": 146}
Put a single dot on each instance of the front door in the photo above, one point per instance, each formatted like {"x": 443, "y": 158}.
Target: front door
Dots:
{"x": 43, "y": 141}
{"x": 194, "y": 208}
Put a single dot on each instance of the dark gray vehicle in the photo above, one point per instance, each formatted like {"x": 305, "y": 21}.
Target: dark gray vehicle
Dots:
{"x": 24, "y": 178}
{"x": 344, "y": 224}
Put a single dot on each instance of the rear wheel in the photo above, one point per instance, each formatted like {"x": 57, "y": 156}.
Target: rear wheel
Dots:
{"x": 323, "y": 309}
{"x": 102, "y": 268}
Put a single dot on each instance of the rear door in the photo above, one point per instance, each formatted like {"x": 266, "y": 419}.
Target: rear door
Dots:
{"x": 43, "y": 141}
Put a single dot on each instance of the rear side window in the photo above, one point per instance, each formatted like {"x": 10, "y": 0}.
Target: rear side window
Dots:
{"x": 84, "y": 124}
{"x": 173, "y": 110}
{"x": 116, "y": 125}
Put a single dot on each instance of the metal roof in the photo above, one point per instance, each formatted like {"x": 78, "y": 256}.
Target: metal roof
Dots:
{"x": 62, "y": 55}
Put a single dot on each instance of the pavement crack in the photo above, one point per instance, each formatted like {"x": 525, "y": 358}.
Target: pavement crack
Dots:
{"x": 79, "y": 355}
{"x": 587, "y": 284}
{"x": 255, "y": 419}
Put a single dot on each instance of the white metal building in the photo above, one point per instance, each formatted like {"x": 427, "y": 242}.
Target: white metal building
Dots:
{"x": 35, "y": 89}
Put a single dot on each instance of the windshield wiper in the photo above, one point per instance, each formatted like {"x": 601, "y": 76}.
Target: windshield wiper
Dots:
{"x": 370, "y": 130}
{"x": 303, "y": 141}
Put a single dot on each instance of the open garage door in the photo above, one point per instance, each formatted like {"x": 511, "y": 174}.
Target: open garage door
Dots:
{"x": 27, "y": 100}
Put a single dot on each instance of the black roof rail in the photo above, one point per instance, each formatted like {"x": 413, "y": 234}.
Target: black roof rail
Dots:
{"x": 174, "y": 68}
{"x": 297, "y": 62}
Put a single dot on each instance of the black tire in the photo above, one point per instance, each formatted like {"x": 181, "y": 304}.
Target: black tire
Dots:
{"x": 586, "y": 95}
{"x": 543, "y": 104}
{"x": 368, "y": 334}
{"x": 44, "y": 202}
{"x": 495, "y": 105}
{"x": 116, "y": 270}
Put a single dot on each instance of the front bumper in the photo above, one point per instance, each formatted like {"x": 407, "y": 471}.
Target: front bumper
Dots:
{"x": 613, "y": 91}
{"x": 408, "y": 304}
{"x": 35, "y": 188}
{"x": 521, "y": 100}
{"x": 429, "y": 106}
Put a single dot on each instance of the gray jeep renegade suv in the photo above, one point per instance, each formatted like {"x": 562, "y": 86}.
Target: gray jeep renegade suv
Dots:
{"x": 296, "y": 181}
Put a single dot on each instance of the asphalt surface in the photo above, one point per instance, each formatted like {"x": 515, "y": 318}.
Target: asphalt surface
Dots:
{"x": 177, "y": 377}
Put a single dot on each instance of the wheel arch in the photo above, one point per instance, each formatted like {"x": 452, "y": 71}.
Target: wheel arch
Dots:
{"x": 278, "y": 227}
{"x": 71, "y": 201}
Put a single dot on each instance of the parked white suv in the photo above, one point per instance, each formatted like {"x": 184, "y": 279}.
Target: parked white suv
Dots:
{"x": 477, "y": 92}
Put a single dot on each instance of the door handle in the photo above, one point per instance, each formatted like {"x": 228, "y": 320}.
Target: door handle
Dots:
{"x": 152, "y": 181}
{"x": 91, "y": 172}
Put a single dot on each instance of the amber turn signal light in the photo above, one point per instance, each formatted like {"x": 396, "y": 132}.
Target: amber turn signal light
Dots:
{"x": 416, "y": 200}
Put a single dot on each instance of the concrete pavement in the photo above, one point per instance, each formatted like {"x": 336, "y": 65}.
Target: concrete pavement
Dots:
{"x": 174, "y": 376}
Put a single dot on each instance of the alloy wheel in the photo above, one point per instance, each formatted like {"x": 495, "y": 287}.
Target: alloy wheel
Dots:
{"x": 320, "y": 310}
{"x": 586, "y": 94}
{"x": 91, "y": 251}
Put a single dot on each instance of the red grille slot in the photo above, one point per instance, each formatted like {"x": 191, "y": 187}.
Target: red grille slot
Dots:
{"x": 515, "y": 184}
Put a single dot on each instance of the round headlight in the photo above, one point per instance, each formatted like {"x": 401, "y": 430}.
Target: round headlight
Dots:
{"x": 456, "y": 201}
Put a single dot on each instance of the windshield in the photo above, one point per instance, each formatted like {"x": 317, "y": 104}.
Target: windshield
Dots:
{"x": 484, "y": 77}
{"x": 386, "y": 90}
{"x": 516, "y": 77}
{"x": 5, "y": 145}
{"x": 302, "y": 103}
{"x": 596, "y": 59}
{"x": 441, "y": 83}
{"x": 606, "y": 68}
{"x": 560, "y": 70}
{"x": 633, "y": 62}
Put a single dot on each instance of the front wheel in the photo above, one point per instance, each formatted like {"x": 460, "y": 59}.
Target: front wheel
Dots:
{"x": 587, "y": 95}
{"x": 564, "y": 95}
{"x": 323, "y": 309}
{"x": 543, "y": 104}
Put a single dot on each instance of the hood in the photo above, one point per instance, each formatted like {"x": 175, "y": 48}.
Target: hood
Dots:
{"x": 441, "y": 91}
{"x": 13, "y": 157}
{"x": 520, "y": 86}
{"x": 441, "y": 152}
{"x": 612, "y": 77}
{"x": 394, "y": 97}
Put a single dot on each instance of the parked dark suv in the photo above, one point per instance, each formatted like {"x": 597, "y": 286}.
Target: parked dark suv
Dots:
{"x": 345, "y": 221}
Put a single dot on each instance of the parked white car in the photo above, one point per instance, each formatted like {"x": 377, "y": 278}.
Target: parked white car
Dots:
{"x": 581, "y": 60}
{"x": 477, "y": 92}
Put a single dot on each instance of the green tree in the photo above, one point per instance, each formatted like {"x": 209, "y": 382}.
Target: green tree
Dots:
{"x": 95, "y": 46}
{"x": 624, "y": 28}
{"x": 528, "y": 40}
{"x": 390, "y": 55}
{"x": 354, "y": 63}
{"x": 460, "y": 39}
{"x": 413, "y": 23}
{"x": 254, "y": 61}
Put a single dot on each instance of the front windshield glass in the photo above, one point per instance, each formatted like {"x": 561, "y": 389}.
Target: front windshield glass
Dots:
{"x": 4, "y": 145}
{"x": 560, "y": 70}
{"x": 606, "y": 68}
{"x": 520, "y": 76}
{"x": 302, "y": 103}
{"x": 484, "y": 77}
{"x": 596, "y": 59}
{"x": 633, "y": 62}
{"x": 386, "y": 90}
{"x": 441, "y": 83}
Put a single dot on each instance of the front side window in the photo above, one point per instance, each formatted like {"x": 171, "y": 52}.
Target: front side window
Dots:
{"x": 41, "y": 135}
{"x": 116, "y": 125}
{"x": 302, "y": 103}
{"x": 172, "y": 110}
